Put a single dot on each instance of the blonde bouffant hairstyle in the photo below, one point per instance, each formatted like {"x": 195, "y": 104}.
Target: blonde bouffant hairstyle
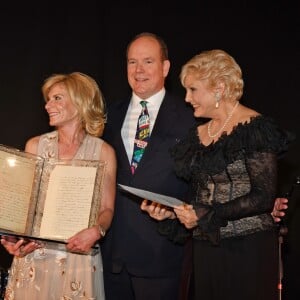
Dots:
{"x": 85, "y": 95}
{"x": 216, "y": 66}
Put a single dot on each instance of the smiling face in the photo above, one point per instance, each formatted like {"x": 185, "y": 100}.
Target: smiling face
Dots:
{"x": 146, "y": 70}
{"x": 199, "y": 96}
{"x": 60, "y": 107}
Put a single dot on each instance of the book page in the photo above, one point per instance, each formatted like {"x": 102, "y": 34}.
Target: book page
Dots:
{"x": 16, "y": 182}
{"x": 68, "y": 201}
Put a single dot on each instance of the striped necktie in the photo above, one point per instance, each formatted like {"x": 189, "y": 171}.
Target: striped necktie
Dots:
{"x": 141, "y": 137}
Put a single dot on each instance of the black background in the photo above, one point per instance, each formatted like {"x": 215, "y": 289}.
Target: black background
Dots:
{"x": 39, "y": 39}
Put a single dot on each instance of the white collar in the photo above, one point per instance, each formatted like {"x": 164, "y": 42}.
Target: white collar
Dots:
{"x": 155, "y": 100}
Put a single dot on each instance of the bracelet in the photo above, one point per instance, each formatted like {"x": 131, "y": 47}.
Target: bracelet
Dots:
{"x": 101, "y": 230}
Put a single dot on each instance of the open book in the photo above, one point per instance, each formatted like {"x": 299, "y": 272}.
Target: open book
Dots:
{"x": 48, "y": 199}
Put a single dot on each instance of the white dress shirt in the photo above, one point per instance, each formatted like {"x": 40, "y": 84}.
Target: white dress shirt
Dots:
{"x": 130, "y": 122}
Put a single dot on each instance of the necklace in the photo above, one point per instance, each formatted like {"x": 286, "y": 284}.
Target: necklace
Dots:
{"x": 224, "y": 125}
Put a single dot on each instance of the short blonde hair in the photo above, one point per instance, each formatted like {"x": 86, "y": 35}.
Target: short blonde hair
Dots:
{"x": 85, "y": 95}
{"x": 216, "y": 66}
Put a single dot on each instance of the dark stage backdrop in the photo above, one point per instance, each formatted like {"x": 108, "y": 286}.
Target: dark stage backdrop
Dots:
{"x": 38, "y": 40}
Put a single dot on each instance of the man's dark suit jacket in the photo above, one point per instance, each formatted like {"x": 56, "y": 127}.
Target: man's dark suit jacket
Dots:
{"x": 133, "y": 240}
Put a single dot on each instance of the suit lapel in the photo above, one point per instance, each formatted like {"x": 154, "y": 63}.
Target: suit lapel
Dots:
{"x": 117, "y": 120}
{"x": 166, "y": 117}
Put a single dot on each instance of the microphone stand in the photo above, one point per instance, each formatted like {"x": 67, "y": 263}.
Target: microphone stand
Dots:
{"x": 283, "y": 230}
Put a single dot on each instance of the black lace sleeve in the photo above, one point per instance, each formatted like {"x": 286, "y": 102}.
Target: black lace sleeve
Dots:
{"x": 262, "y": 170}
{"x": 174, "y": 231}
{"x": 182, "y": 154}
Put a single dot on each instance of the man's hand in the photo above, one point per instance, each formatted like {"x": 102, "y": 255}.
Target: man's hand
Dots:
{"x": 280, "y": 205}
{"x": 157, "y": 211}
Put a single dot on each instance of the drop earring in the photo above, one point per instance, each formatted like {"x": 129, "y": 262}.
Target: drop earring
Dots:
{"x": 218, "y": 98}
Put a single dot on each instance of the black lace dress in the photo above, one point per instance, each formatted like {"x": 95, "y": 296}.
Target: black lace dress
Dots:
{"x": 233, "y": 183}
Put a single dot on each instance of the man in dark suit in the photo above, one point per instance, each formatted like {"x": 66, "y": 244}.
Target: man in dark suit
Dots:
{"x": 139, "y": 263}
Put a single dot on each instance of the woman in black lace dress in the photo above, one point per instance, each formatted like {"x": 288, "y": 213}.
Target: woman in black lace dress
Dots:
{"x": 231, "y": 163}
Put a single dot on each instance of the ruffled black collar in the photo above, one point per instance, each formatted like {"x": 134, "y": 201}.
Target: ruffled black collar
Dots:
{"x": 260, "y": 134}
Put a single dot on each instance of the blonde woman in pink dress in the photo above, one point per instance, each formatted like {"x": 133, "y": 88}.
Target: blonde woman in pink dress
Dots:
{"x": 75, "y": 107}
